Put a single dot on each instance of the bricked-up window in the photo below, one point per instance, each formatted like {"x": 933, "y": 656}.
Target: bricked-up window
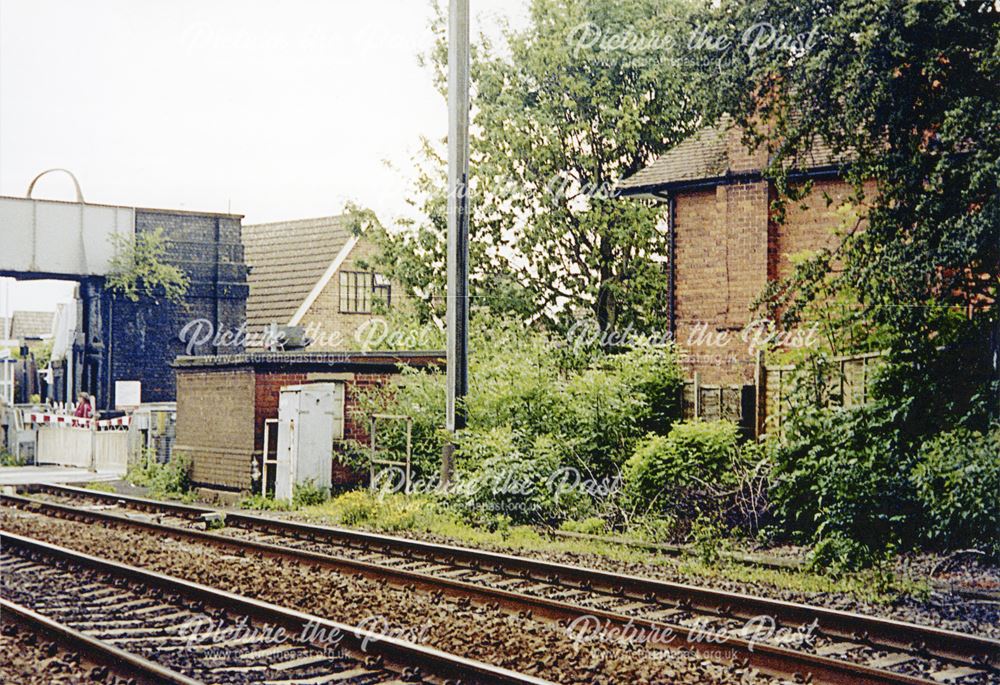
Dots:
{"x": 359, "y": 290}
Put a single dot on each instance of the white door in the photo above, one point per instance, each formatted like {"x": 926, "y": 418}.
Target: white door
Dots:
{"x": 310, "y": 417}
{"x": 287, "y": 436}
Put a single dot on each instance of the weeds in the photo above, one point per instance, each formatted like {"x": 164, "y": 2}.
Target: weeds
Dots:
{"x": 8, "y": 459}
{"x": 172, "y": 479}
{"x": 263, "y": 503}
{"x": 99, "y": 486}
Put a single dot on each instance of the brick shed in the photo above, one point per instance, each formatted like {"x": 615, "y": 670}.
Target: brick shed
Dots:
{"x": 223, "y": 401}
{"x": 725, "y": 244}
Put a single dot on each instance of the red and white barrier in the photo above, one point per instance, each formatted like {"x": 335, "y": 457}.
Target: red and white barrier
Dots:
{"x": 43, "y": 418}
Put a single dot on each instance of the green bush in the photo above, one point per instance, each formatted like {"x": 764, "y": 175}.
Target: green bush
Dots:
{"x": 592, "y": 525}
{"x": 263, "y": 503}
{"x": 844, "y": 473}
{"x": 8, "y": 459}
{"x": 499, "y": 474}
{"x": 308, "y": 494}
{"x": 172, "y": 479}
{"x": 672, "y": 473}
{"x": 957, "y": 482}
{"x": 708, "y": 540}
{"x": 836, "y": 553}
{"x": 600, "y": 417}
{"x": 653, "y": 373}
{"x": 534, "y": 407}
{"x": 355, "y": 507}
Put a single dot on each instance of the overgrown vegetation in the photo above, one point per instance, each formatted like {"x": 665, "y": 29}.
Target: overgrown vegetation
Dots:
{"x": 860, "y": 481}
{"x": 8, "y": 459}
{"x": 420, "y": 514}
{"x": 550, "y": 424}
{"x": 139, "y": 268}
{"x": 680, "y": 472}
{"x": 907, "y": 93}
{"x": 588, "y": 437}
{"x": 956, "y": 481}
{"x": 168, "y": 480}
{"x": 99, "y": 486}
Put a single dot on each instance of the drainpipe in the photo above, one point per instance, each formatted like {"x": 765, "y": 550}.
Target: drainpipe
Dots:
{"x": 671, "y": 272}
{"x": 671, "y": 253}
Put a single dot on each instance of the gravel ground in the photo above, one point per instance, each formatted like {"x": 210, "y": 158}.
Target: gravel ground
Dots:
{"x": 943, "y": 609}
{"x": 966, "y": 569}
{"x": 27, "y": 660}
{"x": 523, "y": 644}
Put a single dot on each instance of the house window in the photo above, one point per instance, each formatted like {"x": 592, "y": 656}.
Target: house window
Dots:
{"x": 359, "y": 290}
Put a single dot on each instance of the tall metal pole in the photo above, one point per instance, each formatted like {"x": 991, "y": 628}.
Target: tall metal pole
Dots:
{"x": 458, "y": 222}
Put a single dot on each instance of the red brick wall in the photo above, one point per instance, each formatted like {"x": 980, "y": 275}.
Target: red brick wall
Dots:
{"x": 727, "y": 248}
{"x": 740, "y": 158}
{"x": 357, "y": 428}
{"x": 221, "y": 412}
{"x": 809, "y": 224}
{"x": 267, "y": 389}
{"x": 721, "y": 249}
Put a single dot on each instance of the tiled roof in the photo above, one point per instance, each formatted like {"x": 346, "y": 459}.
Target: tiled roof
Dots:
{"x": 703, "y": 156}
{"x": 31, "y": 324}
{"x": 286, "y": 259}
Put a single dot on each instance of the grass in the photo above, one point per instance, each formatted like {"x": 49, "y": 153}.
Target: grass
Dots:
{"x": 868, "y": 586}
{"x": 398, "y": 513}
{"x": 422, "y": 515}
{"x": 99, "y": 486}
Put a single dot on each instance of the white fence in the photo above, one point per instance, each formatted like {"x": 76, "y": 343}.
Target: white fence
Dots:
{"x": 7, "y": 381}
{"x": 82, "y": 448}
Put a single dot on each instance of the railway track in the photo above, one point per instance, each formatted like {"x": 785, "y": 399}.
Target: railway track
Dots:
{"x": 765, "y": 634}
{"x": 760, "y": 560}
{"x": 151, "y": 628}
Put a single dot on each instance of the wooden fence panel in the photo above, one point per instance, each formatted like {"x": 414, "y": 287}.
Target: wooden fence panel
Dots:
{"x": 719, "y": 402}
{"x": 850, "y": 380}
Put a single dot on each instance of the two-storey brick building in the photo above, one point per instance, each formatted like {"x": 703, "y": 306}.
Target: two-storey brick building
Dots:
{"x": 725, "y": 243}
{"x": 312, "y": 273}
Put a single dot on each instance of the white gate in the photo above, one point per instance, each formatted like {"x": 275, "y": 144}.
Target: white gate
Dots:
{"x": 82, "y": 448}
{"x": 7, "y": 381}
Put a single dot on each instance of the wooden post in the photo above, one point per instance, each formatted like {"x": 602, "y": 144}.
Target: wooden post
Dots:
{"x": 760, "y": 407}
{"x": 371, "y": 463}
{"x": 697, "y": 395}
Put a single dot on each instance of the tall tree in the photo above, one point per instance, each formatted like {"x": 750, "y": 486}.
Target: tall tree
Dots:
{"x": 587, "y": 94}
{"x": 909, "y": 92}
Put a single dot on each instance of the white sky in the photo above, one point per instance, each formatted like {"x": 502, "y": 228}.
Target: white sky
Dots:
{"x": 272, "y": 109}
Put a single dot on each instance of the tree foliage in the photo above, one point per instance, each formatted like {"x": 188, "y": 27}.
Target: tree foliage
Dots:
{"x": 908, "y": 93}
{"x": 139, "y": 269}
{"x": 560, "y": 114}
{"x": 534, "y": 406}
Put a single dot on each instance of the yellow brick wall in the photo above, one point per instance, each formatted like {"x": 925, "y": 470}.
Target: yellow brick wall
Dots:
{"x": 215, "y": 417}
{"x": 334, "y": 330}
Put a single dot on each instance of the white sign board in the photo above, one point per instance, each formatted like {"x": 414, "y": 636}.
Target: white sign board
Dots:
{"x": 128, "y": 394}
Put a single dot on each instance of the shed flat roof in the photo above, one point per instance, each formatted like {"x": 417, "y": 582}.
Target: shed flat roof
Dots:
{"x": 347, "y": 359}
